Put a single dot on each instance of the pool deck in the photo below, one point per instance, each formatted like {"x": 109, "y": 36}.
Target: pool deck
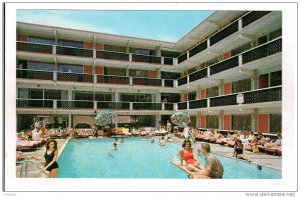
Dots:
{"x": 257, "y": 158}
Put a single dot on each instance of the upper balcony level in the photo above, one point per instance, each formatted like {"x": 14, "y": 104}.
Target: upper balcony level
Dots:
{"x": 260, "y": 57}
{"x": 65, "y": 78}
{"x": 239, "y": 32}
{"x": 66, "y": 54}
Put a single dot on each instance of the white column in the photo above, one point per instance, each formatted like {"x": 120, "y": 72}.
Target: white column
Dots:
{"x": 95, "y": 105}
{"x": 254, "y": 120}
{"x": 70, "y": 121}
{"x": 130, "y": 57}
{"x": 117, "y": 97}
{"x": 175, "y": 83}
{"x": 221, "y": 87}
{"x": 175, "y": 106}
{"x": 254, "y": 80}
{"x": 175, "y": 61}
{"x": 198, "y": 93}
{"x": 221, "y": 119}
{"x": 70, "y": 96}
{"x": 157, "y": 120}
{"x": 54, "y": 104}
{"x": 208, "y": 43}
{"x": 130, "y": 81}
{"x": 158, "y": 97}
{"x": 240, "y": 60}
{"x": 54, "y": 50}
{"x": 94, "y": 54}
{"x": 162, "y": 83}
{"x": 130, "y": 106}
{"x": 240, "y": 24}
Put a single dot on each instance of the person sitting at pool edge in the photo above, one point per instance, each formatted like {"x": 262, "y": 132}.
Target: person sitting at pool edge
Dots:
{"x": 189, "y": 156}
{"x": 95, "y": 130}
{"x": 213, "y": 166}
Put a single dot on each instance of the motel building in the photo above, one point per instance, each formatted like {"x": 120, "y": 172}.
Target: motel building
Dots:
{"x": 226, "y": 73}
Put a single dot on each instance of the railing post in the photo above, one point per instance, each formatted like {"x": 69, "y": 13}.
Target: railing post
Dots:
{"x": 240, "y": 60}
{"x": 240, "y": 24}
{"x": 130, "y": 81}
{"x": 175, "y": 61}
{"x": 187, "y": 105}
{"x": 162, "y": 83}
{"x": 208, "y": 102}
{"x": 175, "y": 83}
{"x": 95, "y": 105}
{"x": 95, "y": 78}
{"x": 162, "y": 60}
{"x": 54, "y": 75}
{"x": 187, "y": 55}
{"x": 208, "y": 71}
{"x": 163, "y": 106}
{"x": 54, "y": 104}
{"x": 208, "y": 42}
{"x": 188, "y": 79}
{"x": 54, "y": 50}
{"x": 130, "y": 106}
{"x": 130, "y": 57}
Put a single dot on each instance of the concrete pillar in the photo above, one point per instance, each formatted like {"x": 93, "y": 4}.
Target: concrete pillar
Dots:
{"x": 254, "y": 120}
{"x": 127, "y": 49}
{"x": 127, "y": 71}
{"x": 240, "y": 60}
{"x": 70, "y": 96}
{"x": 117, "y": 97}
{"x": 240, "y": 24}
{"x": 158, "y": 97}
{"x": 221, "y": 87}
{"x": 70, "y": 121}
{"x": 221, "y": 119}
{"x": 158, "y": 51}
{"x": 254, "y": 80}
{"x": 158, "y": 73}
{"x": 157, "y": 120}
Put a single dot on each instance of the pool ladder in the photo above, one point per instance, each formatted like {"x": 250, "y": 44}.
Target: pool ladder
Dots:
{"x": 24, "y": 167}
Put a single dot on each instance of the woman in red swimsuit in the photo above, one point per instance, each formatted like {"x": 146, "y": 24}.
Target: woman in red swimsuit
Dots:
{"x": 189, "y": 156}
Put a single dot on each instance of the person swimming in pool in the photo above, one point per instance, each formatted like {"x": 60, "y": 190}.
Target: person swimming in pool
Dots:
{"x": 122, "y": 140}
{"x": 115, "y": 145}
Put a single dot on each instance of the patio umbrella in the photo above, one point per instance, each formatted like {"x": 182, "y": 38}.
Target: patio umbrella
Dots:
{"x": 105, "y": 118}
{"x": 182, "y": 119}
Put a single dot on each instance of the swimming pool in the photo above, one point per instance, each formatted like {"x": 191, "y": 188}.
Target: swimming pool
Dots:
{"x": 138, "y": 158}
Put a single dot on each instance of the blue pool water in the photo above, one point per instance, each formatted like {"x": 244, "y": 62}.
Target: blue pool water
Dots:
{"x": 138, "y": 158}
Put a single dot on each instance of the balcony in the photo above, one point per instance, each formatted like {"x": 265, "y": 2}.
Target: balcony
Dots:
{"x": 264, "y": 95}
{"x": 198, "y": 104}
{"x": 182, "y": 81}
{"x": 146, "y": 81}
{"x": 182, "y": 58}
{"x": 168, "y": 83}
{"x": 223, "y": 100}
{"x": 34, "y": 74}
{"x": 224, "y": 65}
{"x": 198, "y": 75}
{"x": 75, "y": 77}
{"x": 198, "y": 48}
{"x": 146, "y": 59}
{"x": 34, "y": 103}
{"x": 34, "y": 48}
{"x": 75, "y": 104}
{"x": 262, "y": 51}
{"x": 110, "y": 79}
{"x": 110, "y": 55}
{"x": 253, "y": 16}
{"x": 147, "y": 106}
{"x": 91, "y": 53}
{"x": 224, "y": 33}
{"x": 168, "y": 106}
{"x": 181, "y": 106}
{"x": 113, "y": 105}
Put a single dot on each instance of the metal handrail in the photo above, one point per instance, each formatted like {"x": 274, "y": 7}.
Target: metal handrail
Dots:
{"x": 25, "y": 162}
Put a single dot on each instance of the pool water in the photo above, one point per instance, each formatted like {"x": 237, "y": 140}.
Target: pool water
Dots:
{"x": 138, "y": 158}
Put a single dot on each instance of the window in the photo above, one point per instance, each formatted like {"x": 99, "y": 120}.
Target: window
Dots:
{"x": 241, "y": 122}
{"x": 213, "y": 91}
{"x": 136, "y": 97}
{"x": 138, "y": 73}
{"x": 52, "y": 94}
{"x": 115, "y": 71}
{"x": 115, "y": 48}
{"x": 36, "y": 94}
{"x": 275, "y": 78}
{"x": 40, "y": 66}
{"x": 275, "y": 34}
{"x": 241, "y": 85}
{"x": 70, "y": 68}
{"x": 143, "y": 121}
{"x": 84, "y": 96}
{"x": 171, "y": 97}
{"x": 212, "y": 122}
{"x": 103, "y": 96}
{"x": 41, "y": 40}
{"x": 192, "y": 96}
{"x": 70, "y": 43}
{"x": 264, "y": 81}
{"x": 275, "y": 123}
{"x": 170, "y": 75}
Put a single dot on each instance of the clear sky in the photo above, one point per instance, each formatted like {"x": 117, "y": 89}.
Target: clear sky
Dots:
{"x": 158, "y": 25}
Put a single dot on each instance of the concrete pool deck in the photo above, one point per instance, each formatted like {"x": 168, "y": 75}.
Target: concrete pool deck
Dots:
{"x": 257, "y": 158}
